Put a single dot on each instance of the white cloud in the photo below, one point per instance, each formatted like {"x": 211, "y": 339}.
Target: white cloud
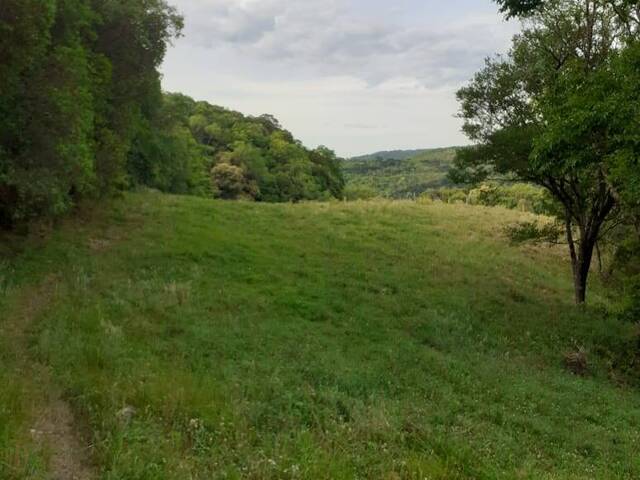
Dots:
{"x": 343, "y": 60}
{"x": 328, "y": 37}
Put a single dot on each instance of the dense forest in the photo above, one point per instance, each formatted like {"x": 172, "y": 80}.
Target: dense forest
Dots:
{"x": 398, "y": 174}
{"x": 82, "y": 115}
{"x": 201, "y": 149}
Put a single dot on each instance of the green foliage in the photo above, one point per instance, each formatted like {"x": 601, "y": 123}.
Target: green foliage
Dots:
{"x": 359, "y": 192}
{"x": 622, "y": 107}
{"x": 519, "y": 8}
{"x": 522, "y": 196}
{"x": 400, "y": 174}
{"x": 246, "y": 157}
{"x": 535, "y": 232}
{"x": 167, "y": 157}
{"x": 76, "y": 77}
{"x": 547, "y": 114}
{"x": 624, "y": 277}
{"x": 448, "y": 195}
{"x": 393, "y": 155}
{"x": 365, "y": 340}
{"x": 82, "y": 115}
{"x": 231, "y": 182}
{"x": 517, "y": 196}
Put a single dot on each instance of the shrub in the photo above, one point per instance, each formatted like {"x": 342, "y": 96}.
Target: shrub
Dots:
{"x": 359, "y": 192}
{"x": 535, "y": 232}
{"x": 521, "y": 196}
{"x": 230, "y": 182}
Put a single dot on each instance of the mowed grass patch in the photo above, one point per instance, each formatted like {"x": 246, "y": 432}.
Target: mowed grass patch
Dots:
{"x": 323, "y": 340}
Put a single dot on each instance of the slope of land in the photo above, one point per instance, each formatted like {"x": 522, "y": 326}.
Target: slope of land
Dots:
{"x": 201, "y": 339}
{"x": 402, "y": 173}
{"x": 392, "y": 154}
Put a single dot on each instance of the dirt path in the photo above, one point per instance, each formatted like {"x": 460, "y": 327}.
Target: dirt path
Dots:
{"x": 56, "y": 429}
{"x": 70, "y": 454}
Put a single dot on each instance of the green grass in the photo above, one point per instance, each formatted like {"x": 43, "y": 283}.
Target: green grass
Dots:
{"x": 400, "y": 174}
{"x": 381, "y": 340}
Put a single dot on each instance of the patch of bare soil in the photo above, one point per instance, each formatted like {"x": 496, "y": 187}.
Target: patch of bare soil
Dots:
{"x": 56, "y": 429}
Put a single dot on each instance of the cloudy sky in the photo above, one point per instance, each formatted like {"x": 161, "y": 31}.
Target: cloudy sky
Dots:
{"x": 355, "y": 75}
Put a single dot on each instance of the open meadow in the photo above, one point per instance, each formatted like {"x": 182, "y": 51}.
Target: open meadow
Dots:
{"x": 185, "y": 338}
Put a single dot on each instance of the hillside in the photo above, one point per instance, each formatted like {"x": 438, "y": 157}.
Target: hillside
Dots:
{"x": 192, "y": 338}
{"x": 206, "y": 150}
{"x": 400, "y": 174}
{"x": 391, "y": 155}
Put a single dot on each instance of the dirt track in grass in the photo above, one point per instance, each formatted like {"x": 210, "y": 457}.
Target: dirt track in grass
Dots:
{"x": 55, "y": 429}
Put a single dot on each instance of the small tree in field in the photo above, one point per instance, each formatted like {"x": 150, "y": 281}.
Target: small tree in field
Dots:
{"x": 542, "y": 113}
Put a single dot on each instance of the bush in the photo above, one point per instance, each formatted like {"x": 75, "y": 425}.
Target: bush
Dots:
{"x": 535, "y": 232}
{"x": 230, "y": 182}
{"x": 359, "y": 192}
{"x": 521, "y": 196}
{"x": 626, "y": 277}
{"x": 447, "y": 195}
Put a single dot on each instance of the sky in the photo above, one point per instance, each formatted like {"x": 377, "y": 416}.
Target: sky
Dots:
{"x": 357, "y": 76}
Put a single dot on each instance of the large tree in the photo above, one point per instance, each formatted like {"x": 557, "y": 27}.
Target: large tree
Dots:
{"x": 539, "y": 113}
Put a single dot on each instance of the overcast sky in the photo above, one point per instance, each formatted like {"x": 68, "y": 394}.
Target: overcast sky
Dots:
{"x": 355, "y": 75}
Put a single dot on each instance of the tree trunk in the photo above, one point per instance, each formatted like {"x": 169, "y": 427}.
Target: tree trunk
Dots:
{"x": 574, "y": 258}
{"x": 581, "y": 257}
{"x": 588, "y": 242}
{"x": 580, "y": 277}
{"x": 599, "y": 255}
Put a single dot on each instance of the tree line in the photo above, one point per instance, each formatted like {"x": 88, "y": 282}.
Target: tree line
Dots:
{"x": 82, "y": 115}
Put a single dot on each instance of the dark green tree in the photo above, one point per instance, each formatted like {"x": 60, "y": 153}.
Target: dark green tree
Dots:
{"x": 77, "y": 77}
{"x": 538, "y": 115}
{"x": 519, "y": 8}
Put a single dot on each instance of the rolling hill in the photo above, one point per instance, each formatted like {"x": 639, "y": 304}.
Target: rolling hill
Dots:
{"x": 166, "y": 337}
{"x": 401, "y": 173}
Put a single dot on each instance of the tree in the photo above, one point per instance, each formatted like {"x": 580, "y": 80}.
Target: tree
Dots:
{"x": 275, "y": 166}
{"x": 518, "y": 8}
{"x": 230, "y": 182}
{"x": 328, "y": 171}
{"x": 627, "y": 10}
{"x": 531, "y": 115}
{"x": 77, "y": 79}
{"x": 622, "y": 103}
{"x": 131, "y": 40}
{"x": 621, "y": 99}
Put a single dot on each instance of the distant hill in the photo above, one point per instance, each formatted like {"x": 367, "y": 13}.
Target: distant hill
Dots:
{"x": 391, "y": 155}
{"x": 400, "y": 173}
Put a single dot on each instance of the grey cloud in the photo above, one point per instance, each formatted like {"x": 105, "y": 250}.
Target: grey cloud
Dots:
{"x": 324, "y": 37}
{"x": 215, "y": 22}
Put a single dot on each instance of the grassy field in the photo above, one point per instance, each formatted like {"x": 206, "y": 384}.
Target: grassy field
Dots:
{"x": 194, "y": 339}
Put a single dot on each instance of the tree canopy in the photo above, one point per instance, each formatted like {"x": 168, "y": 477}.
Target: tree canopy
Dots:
{"x": 544, "y": 113}
{"x": 76, "y": 78}
{"x": 518, "y": 8}
{"x": 229, "y": 155}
